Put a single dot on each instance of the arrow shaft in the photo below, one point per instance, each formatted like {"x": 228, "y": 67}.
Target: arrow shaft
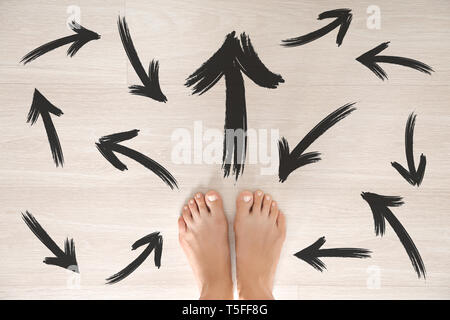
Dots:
{"x": 53, "y": 139}
{"x": 342, "y": 253}
{"x": 39, "y": 51}
{"x": 409, "y": 136}
{"x": 312, "y": 35}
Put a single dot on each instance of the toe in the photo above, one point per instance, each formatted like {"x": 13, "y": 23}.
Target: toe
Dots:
{"x": 273, "y": 214}
{"x": 214, "y": 202}
{"x": 244, "y": 202}
{"x": 201, "y": 204}
{"x": 181, "y": 225}
{"x": 194, "y": 209}
{"x": 187, "y": 216}
{"x": 257, "y": 202}
{"x": 266, "y": 205}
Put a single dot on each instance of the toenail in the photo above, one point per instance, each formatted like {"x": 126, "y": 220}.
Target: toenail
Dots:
{"x": 274, "y": 204}
{"x": 212, "y": 197}
{"x": 259, "y": 193}
{"x": 267, "y": 198}
{"x": 191, "y": 201}
{"x": 185, "y": 208}
{"x": 247, "y": 198}
{"x": 198, "y": 195}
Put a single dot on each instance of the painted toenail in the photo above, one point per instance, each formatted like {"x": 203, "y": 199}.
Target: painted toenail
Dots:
{"x": 212, "y": 197}
{"x": 247, "y": 198}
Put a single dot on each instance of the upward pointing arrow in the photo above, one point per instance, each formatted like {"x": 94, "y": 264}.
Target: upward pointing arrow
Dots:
{"x": 233, "y": 57}
{"x": 41, "y": 106}
{"x": 343, "y": 20}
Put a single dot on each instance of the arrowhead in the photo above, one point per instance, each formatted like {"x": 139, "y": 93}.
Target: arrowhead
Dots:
{"x": 151, "y": 86}
{"x": 68, "y": 260}
{"x": 39, "y": 106}
{"x": 368, "y": 59}
{"x": 379, "y": 205}
{"x": 309, "y": 254}
{"x": 85, "y": 35}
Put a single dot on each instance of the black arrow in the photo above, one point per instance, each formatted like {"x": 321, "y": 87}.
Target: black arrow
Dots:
{"x": 296, "y": 159}
{"x": 155, "y": 241}
{"x": 41, "y": 106}
{"x": 150, "y": 81}
{"x": 79, "y": 39}
{"x": 233, "y": 57}
{"x": 64, "y": 259}
{"x": 107, "y": 145}
{"x": 343, "y": 19}
{"x": 312, "y": 254}
{"x": 412, "y": 176}
{"x": 370, "y": 59}
{"x": 379, "y": 205}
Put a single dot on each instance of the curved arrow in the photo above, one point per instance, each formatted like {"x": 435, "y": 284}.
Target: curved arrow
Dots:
{"x": 79, "y": 39}
{"x": 371, "y": 57}
{"x": 151, "y": 86}
{"x": 233, "y": 57}
{"x": 413, "y": 176}
{"x": 64, "y": 259}
{"x": 312, "y": 254}
{"x": 296, "y": 159}
{"x": 107, "y": 145}
{"x": 154, "y": 241}
{"x": 41, "y": 106}
{"x": 343, "y": 19}
{"x": 380, "y": 209}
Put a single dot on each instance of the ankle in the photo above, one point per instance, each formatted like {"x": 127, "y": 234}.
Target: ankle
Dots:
{"x": 217, "y": 291}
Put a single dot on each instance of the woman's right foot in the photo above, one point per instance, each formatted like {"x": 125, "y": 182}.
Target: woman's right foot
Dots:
{"x": 260, "y": 230}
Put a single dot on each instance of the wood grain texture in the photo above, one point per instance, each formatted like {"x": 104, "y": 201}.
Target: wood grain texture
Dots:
{"x": 106, "y": 210}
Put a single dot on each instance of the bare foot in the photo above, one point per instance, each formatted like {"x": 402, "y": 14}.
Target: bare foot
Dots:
{"x": 203, "y": 235}
{"x": 260, "y": 230}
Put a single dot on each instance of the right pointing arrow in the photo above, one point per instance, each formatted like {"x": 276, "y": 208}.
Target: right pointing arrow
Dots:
{"x": 371, "y": 57}
{"x": 312, "y": 253}
{"x": 413, "y": 176}
{"x": 343, "y": 19}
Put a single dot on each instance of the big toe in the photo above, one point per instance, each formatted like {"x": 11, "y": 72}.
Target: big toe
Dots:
{"x": 214, "y": 203}
{"x": 244, "y": 203}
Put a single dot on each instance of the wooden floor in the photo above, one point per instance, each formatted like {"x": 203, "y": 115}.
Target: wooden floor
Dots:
{"x": 106, "y": 210}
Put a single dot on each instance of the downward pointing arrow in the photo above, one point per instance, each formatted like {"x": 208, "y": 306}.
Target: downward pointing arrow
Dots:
{"x": 343, "y": 19}
{"x": 41, "y": 106}
{"x": 155, "y": 241}
{"x": 107, "y": 145}
{"x": 312, "y": 253}
{"x": 79, "y": 39}
{"x": 380, "y": 209}
{"x": 64, "y": 259}
{"x": 150, "y": 81}
{"x": 412, "y": 176}
{"x": 371, "y": 57}
{"x": 296, "y": 159}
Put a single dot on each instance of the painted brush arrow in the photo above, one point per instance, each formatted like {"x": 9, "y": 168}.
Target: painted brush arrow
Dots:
{"x": 343, "y": 20}
{"x": 154, "y": 241}
{"x": 65, "y": 259}
{"x": 150, "y": 81}
{"x": 290, "y": 161}
{"x": 42, "y": 107}
{"x": 413, "y": 176}
{"x": 312, "y": 254}
{"x": 233, "y": 57}
{"x": 371, "y": 59}
{"x": 380, "y": 209}
{"x": 107, "y": 145}
{"x": 78, "y": 40}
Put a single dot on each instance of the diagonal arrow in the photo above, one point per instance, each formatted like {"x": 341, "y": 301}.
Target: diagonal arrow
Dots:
{"x": 371, "y": 57}
{"x": 64, "y": 259}
{"x": 107, "y": 145}
{"x": 312, "y": 254}
{"x": 233, "y": 57}
{"x": 343, "y": 20}
{"x": 380, "y": 209}
{"x": 413, "y": 176}
{"x": 154, "y": 241}
{"x": 296, "y": 159}
{"x": 150, "y": 81}
{"x": 41, "y": 106}
{"x": 79, "y": 39}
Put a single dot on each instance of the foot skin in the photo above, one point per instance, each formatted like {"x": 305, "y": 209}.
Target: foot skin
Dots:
{"x": 203, "y": 235}
{"x": 260, "y": 230}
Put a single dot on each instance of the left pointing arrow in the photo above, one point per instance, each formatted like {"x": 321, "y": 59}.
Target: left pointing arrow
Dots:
{"x": 79, "y": 39}
{"x": 107, "y": 145}
{"x": 312, "y": 254}
{"x": 41, "y": 106}
{"x": 64, "y": 259}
